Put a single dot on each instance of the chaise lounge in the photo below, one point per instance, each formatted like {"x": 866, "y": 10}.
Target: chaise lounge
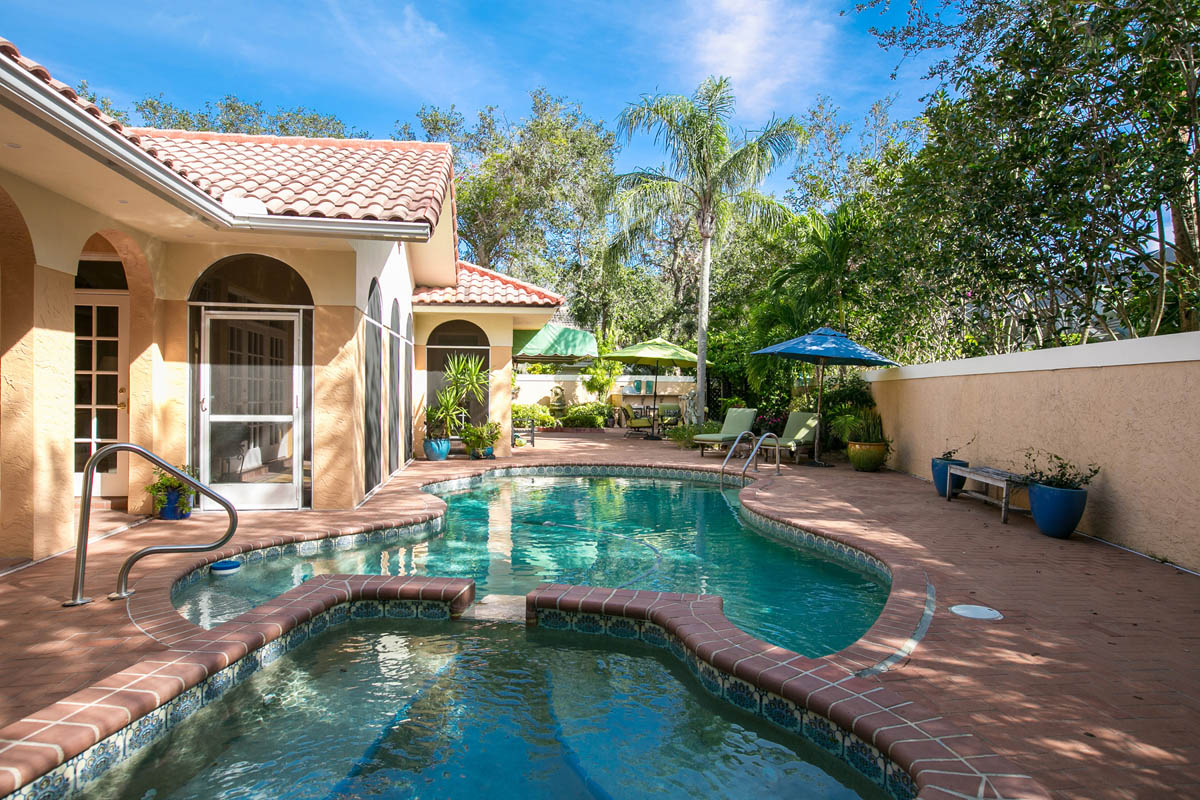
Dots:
{"x": 737, "y": 421}
{"x": 800, "y": 430}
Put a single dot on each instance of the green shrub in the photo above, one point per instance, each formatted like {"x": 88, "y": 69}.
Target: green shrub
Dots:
{"x": 586, "y": 415}
{"x": 684, "y": 435}
{"x": 524, "y": 414}
{"x": 731, "y": 402}
{"x": 853, "y": 391}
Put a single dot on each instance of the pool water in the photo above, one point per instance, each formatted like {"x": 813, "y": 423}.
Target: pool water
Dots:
{"x": 392, "y": 709}
{"x": 510, "y": 534}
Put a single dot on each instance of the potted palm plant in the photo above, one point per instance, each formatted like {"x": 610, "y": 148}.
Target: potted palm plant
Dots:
{"x": 940, "y": 465}
{"x": 866, "y": 445}
{"x": 172, "y": 497}
{"x": 464, "y": 378}
{"x": 1057, "y": 495}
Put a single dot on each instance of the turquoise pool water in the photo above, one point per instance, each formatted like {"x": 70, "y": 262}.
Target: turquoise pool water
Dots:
{"x": 511, "y": 533}
{"x": 397, "y": 709}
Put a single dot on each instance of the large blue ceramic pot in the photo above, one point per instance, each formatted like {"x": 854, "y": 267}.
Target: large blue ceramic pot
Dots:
{"x": 1056, "y": 511}
{"x": 436, "y": 449}
{"x": 170, "y": 509}
{"x": 940, "y": 467}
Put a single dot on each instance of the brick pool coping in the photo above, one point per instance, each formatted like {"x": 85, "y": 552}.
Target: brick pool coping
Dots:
{"x": 152, "y": 611}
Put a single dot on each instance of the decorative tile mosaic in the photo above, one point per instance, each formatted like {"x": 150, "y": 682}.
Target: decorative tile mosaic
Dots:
{"x": 56, "y": 784}
{"x": 784, "y": 713}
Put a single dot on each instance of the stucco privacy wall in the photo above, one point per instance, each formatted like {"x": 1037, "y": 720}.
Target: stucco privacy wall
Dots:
{"x": 1133, "y": 407}
{"x": 535, "y": 388}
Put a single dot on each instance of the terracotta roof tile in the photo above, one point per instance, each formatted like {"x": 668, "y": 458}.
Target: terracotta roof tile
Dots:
{"x": 483, "y": 287}
{"x": 291, "y": 175}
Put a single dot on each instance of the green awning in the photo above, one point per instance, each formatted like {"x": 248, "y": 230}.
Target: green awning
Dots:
{"x": 553, "y": 343}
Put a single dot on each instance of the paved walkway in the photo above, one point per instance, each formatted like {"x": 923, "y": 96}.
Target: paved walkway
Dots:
{"x": 1091, "y": 682}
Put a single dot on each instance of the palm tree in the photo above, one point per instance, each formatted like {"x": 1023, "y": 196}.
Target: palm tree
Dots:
{"x": 713, "y": 176}
{"x": 823, "y": 272}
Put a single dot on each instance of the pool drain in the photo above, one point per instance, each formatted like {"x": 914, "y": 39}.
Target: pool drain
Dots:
{"x": 976, "y": 612}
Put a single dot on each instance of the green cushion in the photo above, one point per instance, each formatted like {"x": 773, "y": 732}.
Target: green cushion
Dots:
{"x": 801, "y": 428}
{"x": 738, "y": 420}
{"x": 714, "y": 438}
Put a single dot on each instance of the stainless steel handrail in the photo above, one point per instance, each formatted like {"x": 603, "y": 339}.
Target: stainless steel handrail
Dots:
{"x": 85, "y": 513}
{"x": 754, "y": 455}
{"x": 729, "y": 455}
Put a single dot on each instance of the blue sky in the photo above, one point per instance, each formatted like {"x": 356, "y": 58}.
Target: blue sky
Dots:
{"x": 373, "y": 62}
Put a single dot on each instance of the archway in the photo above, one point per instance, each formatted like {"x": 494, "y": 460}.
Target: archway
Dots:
{"x": 372, "y": 379}
{"x": 457, "y": 337}
{"x": 252, "y": 376}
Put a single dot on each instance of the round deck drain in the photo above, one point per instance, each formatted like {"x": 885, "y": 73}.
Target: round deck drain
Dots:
{"x": 976, "y": 612}
{"x": 227, "y": 567}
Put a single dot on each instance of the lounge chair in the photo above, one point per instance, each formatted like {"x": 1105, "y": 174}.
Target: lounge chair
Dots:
{"x": 737, "y": 421}
{"x": 801, "y": 429}
{"x": 635, "y": 425}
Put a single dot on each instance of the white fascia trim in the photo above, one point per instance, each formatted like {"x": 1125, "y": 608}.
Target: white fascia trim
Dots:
{"x": 37, "y": 101}
{"x": 1125, "y": 352}
{"x": 451, "y": 308}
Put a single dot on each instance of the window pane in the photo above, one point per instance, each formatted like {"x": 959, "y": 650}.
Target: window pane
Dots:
{"x": 251, "y": 452}
{"x": 83, "y": 355}
{"x": 106, "y": 390}
{"x": 83, "y": 320}
{"x": 106, "y": 356}
{"x": 108, "y": 463}
{"x": 82, "y": 453}
{"x": 106, "y": 423}
{"x": 83, "y": 389}
{"x": 106, "y": 320}
{"x": 83, "y": 423}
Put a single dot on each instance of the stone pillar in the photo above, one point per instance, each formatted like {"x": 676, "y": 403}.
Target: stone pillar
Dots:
{"x": 337, "y": 408}
{"x": 500, "y": 407}
{"x": 37, "y": 339}
{"x": 420, "y": 382}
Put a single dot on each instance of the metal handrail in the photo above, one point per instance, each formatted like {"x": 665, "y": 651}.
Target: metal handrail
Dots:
{"x": 85, "y": 512}
{"x": 754, "y": 454}
{"x": 729, "y": 455}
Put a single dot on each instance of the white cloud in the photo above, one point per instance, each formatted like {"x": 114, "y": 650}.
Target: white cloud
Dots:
{"x": 768, "y": 47}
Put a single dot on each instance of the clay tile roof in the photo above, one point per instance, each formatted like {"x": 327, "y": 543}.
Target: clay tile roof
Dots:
{"x": 483, "y": 287}
{"x": 295, "y": 176}
{"x": 291, "y": 175}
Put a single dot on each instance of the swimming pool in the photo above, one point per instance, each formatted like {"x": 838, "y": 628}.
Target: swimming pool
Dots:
{"x": 393, "y": 708}
{"x": 510, "y": 533}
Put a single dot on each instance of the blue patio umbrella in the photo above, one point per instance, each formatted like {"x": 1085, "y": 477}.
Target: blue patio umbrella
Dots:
{"x": 826, "y": 346}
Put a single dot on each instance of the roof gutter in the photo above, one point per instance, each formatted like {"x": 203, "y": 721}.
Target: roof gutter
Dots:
{"x": 39, "y": 103}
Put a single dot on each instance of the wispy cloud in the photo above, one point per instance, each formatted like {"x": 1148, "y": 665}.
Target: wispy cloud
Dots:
{"x": 770, "y": 48}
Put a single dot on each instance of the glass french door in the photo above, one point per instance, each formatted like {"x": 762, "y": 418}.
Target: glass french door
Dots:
{"x": 101, "y": 388}
{"x": 251, "y": 436}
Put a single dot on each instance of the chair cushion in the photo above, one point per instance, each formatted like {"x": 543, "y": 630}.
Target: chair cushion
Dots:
{"x": 738, "y": 420}
{"x": 715, "y": 438}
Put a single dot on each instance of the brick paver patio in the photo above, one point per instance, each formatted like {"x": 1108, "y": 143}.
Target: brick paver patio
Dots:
{"x": 1090, "y": 683}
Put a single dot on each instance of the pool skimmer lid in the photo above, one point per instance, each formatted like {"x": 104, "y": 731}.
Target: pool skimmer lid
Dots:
{"x": 227, "y": 567}
{"x": 976, "y": 612}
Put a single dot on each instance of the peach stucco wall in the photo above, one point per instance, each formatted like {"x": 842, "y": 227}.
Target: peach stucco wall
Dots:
{"x": 1139, "y": 422}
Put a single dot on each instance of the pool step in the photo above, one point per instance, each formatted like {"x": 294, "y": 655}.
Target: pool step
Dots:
{"x": 498, "y": 608}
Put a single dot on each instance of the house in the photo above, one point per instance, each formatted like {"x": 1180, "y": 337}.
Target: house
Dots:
{"x": 273, "y": 311}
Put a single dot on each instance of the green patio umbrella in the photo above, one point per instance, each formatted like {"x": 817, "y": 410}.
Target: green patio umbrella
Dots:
{"x": 553, "y": 343}
{"x": 657, "y": 353}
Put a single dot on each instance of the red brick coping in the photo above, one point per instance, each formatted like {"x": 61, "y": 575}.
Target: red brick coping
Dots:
{"x": 945, "y": 761}
{"x": 53, "y": 745}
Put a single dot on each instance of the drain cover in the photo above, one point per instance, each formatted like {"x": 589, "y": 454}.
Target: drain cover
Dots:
{"x": 976, "y": 612}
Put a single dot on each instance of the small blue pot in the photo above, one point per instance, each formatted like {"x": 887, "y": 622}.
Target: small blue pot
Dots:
{"x": 436, "y": 449}
{"x": 1056, "y": 511}
{"x": 170, "y": 509}
{"x": 940, "y": 468}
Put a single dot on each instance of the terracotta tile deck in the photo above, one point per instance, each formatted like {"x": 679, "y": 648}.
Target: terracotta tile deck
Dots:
{"x": 1091, "y": 682}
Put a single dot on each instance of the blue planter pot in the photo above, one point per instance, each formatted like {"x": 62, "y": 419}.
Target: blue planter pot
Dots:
{"x": 1056, "y": 511}
{"x": 436, "y": 449}
{"x": 486, "y": 452}
{"x": 940, "y": 466}
{"x": 170, "y": 509}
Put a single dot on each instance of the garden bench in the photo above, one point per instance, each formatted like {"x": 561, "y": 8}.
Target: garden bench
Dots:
{"x": 991, "y": 476}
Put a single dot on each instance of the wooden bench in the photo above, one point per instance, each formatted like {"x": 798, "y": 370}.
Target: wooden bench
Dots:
{"x": 990, "y": 476}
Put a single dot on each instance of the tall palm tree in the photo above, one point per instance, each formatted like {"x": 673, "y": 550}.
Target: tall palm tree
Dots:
{"x": 823, "y": 272}
{"x": 713, "y": 174}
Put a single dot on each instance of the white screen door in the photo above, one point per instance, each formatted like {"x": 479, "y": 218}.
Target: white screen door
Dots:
{"x": 251, "y": 447}
{"x": 102, "y": 387}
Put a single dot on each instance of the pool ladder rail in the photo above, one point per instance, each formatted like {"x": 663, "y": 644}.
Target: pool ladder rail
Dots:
{"x": 753, "y": 454}
{"x": 85, "y": 512}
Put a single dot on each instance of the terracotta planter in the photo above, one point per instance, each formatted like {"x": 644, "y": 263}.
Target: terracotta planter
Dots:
{"x": 867, "y": 456}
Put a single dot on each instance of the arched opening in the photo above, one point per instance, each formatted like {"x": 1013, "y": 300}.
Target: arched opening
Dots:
{"x": 394, "y": 433}
{"x": 102, "y": 355}
{"x": 409, "y": 368}
{"x": 251, "y": 354}
{"x": 457, "y": 337}
{"x": 372, "y": 381}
